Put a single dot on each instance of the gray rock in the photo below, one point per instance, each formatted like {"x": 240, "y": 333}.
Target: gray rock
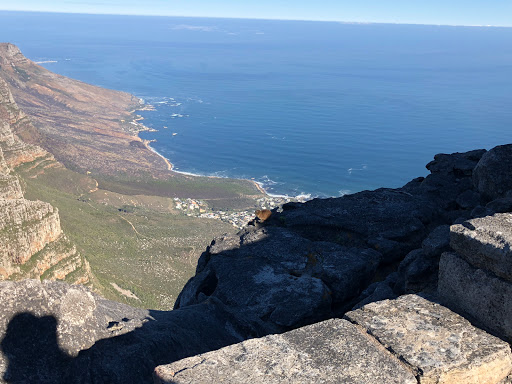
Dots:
{"x": 333, "y": 351}
{"x": 392, "y": 221}
{"x": 416, "y": 272}
{"x": 460, "y": 216}
{"x": 451, "y": 175}
{"x": 437, "y": 242}
{"x": 486, "y": 243}
{"x": 279, "y": 279}
{"x": 468, "y": 199}
{"x": 57, "y": 333}
{"x": 84, "y": 317}
{"x": 391, "y": 249}
{"x": 491, "y": 176}
{"x": 378, "y": 291}
{"x": 474, "y": 292}
{"x": 439, "y": 345}
{"x": 480, "y": 211}
{"x": 459, "y": 164}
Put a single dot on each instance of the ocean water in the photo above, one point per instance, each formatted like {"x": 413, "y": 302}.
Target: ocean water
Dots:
{"x": 303, "y": 107}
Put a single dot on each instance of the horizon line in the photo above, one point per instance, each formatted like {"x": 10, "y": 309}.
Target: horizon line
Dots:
{"x": 261, "y": 18}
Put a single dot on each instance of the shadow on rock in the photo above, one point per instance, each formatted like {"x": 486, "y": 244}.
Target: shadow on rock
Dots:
{"x": 32, "y": 350}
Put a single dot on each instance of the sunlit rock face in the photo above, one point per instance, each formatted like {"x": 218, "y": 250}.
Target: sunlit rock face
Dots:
{"x": 32, "y": 243}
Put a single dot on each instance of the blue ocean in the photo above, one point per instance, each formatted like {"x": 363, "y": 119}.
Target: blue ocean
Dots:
{"x": 318, "y": 108}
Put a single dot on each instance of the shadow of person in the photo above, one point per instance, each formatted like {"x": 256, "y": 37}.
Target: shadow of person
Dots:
{"x": 33, "y": 354}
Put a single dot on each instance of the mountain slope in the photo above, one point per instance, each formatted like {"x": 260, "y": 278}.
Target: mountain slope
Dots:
{"x": 94, "y": 130}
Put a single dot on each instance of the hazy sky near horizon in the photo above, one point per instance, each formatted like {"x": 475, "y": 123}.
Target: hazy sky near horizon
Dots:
{"x": 453, "y": 12}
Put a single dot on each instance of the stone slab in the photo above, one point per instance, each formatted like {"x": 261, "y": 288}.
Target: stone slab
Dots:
{"x": 483, "y": 296}
{"x": 486, "y": 243}
{"x": 439, "y": 345}
{"x": 333, "y": 351}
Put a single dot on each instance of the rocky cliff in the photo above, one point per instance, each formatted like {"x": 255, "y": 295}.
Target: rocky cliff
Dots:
{"x": 407, "y": 285}
{"x": 31, "y": 240}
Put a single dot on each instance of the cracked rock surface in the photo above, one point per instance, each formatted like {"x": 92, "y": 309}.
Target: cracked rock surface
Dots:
{"x": 438, "y": 344}
{"x": 332, "y": 351}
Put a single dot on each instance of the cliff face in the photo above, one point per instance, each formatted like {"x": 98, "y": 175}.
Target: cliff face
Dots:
{"x": 31, "y": 240}
{"x": 15, "y": 151}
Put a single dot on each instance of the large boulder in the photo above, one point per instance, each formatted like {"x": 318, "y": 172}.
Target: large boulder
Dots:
{"x": 493, "y": 174}
{"x": 475, "y": 293}
{"x": 486, "y": 243}
{"x": 392, "y": 221}
{"x": 500, "y": 205}
{"x": 449, "y": 185}
{"x": 437, "y": 242}
{"x": 458, "y": 164}
{"x": 83, "y": 317}
{"x": 279, "y": 279}
{"x": 418, "y": 271}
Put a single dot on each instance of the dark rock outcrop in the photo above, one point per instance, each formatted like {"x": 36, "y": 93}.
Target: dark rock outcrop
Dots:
{"x": 392, "y": 221}
{"x": 278, "y": 278}
{"x": 449, "y": 181}
{"x": 418, "y": 271}
{"x": 492, "y": 175}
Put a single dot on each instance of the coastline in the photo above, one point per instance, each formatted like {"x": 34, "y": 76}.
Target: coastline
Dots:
{"x": 147, "y": 144}
{"x": 136, "y": 120}
{"x": 149, "y": 147}
{"x": 259, "y": 186}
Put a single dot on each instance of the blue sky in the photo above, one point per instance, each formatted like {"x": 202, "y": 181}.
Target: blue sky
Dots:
{"x": 457, "y": 12}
